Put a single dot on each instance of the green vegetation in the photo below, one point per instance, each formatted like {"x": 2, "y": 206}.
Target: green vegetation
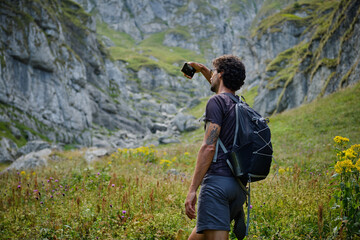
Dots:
{"x": 139, "y": 193}
{"x": 74, "y": 13}
{"x": 150, "y": 52}
{"x": 317, "y": 14}
{"x": 321, "y": 20}
{"x": 347, "y": 192}
{"x": 268, "y": 8}
{"x": 249, "y": 95}
{"x": 5, "y": 131}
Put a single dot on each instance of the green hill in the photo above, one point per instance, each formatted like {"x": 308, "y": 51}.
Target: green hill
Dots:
{"x": 139, "y": 193}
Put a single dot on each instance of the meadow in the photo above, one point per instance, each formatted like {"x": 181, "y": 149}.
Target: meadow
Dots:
{"x": 139, "y": 193}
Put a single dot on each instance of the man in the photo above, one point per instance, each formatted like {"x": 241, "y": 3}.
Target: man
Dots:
{"x": 221, "y": 198}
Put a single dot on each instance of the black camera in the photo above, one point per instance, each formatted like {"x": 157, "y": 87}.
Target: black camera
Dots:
{"x": 188, "y": 70}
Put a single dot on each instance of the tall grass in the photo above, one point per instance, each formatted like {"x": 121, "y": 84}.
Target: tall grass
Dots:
{"x": 140, "y": 193}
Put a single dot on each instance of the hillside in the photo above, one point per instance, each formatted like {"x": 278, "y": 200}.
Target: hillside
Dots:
{"x": 136, "y": 193}
{"x": 106, "y": 73}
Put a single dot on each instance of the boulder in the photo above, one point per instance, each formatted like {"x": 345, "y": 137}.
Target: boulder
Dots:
{"x": 185, "y": 122}
{"x": 159, "y": 127}
{"x": 168, "y": 139}
{"x": 34, "y": 146}
{"x": 94, "y": 153}
{"x": 169, "y": 108}
{"x": 32, "y": 160}
{"x": 8, "y": 150}
{"x": 193, "y": 103}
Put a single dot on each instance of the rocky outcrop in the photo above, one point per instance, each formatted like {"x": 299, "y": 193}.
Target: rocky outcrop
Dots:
{"x": 58, "y": 80}
{"x": 32, "y": 160}
{"x": 309, "y": 60}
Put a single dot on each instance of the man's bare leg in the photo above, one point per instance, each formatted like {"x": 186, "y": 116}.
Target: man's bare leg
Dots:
{"x": 196, "y": 236}
{"x": 209, "y": 235}
{"x": 216, "y": 235}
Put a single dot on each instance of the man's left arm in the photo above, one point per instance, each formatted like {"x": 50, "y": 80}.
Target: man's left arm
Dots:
{"x": 204, "y": 159}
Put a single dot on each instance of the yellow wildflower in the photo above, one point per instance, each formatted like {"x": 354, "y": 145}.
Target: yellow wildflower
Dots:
{"x": 349, "y": 153}
{"x": 34, "y": 173}
{"x": 356, "y": 149}
{"x": 338, "y": 167}
{"x": 281, "y": 170}
{"x": 173, "y": 159}
{"x": 165, "y": 153}
{"x": 340, "y": 140}
{"x": 22, "y": 172}
{"x": 357, "y": 165}
{"x": 186, "y": 153}
{"x": 346, "y": 165}
{"x": 162, "y": 161}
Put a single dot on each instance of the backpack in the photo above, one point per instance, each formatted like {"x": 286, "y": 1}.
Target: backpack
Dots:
{"x": 251, "y": 154}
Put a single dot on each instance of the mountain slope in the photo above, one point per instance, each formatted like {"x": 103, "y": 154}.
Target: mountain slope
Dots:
{"x": 320, "y": 56}
{"x": 106, "y": 73}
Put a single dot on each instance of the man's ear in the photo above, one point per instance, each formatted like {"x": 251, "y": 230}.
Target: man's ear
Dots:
{"x": 220, "y": 75}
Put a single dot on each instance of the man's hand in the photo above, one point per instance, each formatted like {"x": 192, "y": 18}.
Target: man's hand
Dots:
{"x": 200, "y": 68}
{"x": 196, "y": 66}
{"x": 190, "y": 205}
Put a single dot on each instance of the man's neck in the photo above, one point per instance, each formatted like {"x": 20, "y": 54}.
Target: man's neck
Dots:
{"x": 225, "y": 90}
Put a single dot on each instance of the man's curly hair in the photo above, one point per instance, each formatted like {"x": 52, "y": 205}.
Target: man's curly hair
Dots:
{"x": 232, "y": 69}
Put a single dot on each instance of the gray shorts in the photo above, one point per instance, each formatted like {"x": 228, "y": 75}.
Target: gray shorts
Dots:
{"x": 220, "y": 201}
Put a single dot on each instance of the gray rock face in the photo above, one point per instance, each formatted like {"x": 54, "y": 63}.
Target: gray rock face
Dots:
{"x": 185, "y": 122}
{"x": 8, "y": 150}
{"x": 33, "y": 146}
{"x": 58, "y": 79}
{"x": 326, "y": 62}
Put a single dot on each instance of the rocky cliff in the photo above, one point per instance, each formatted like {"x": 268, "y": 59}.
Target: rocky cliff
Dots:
{"x": 306, "y": 51}
{"x": 294, "y": 51}
{"x": 58, "y": 84}
{"x": 106, "y": 72}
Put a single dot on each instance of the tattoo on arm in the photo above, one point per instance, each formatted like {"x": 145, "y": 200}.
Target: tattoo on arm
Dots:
{"x": 212, "y": 134}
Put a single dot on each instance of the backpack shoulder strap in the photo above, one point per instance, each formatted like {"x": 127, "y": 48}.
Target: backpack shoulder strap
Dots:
{"x": 219, "y": 142}
{"x": 232, "y": 97}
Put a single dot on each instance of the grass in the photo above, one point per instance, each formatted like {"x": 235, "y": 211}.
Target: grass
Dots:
{"x": 150, "y": 52}
{"x": 140, "y": 193}
{"x": 5, "y": 127}
{"x": 317, "y": 14}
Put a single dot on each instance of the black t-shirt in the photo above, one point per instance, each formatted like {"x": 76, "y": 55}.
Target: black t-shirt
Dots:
{"x": 220, "y": 110}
